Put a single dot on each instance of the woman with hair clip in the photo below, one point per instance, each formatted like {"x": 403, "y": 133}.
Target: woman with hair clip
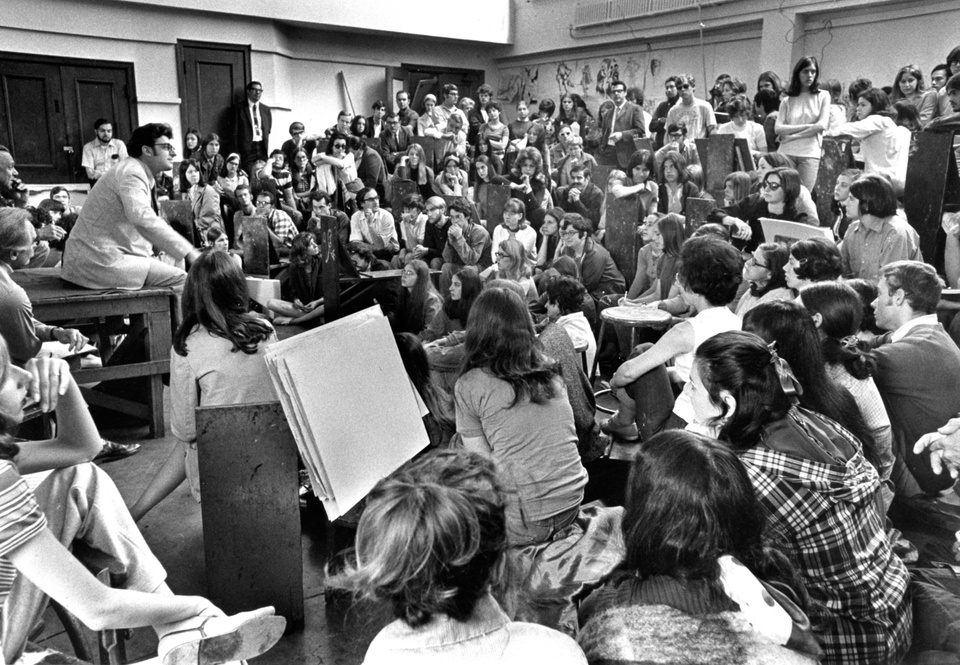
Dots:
{"x": 777, "y": 199}
{"x": 301, "y": 302}
{"x": 788, "y": 326}
{"x": 675, "y": 185}
{"x": 513, "y": 263}
{"x": 431, "y": 543}
{"x": 465, "y": 286}
{"x": 812, "y": 260}
{"x": 763, "y": 272}
{"x": 77, "y": 501}
{"x": 817, "y": 492}
{"x": 804, "y": 116}
{"x": 203, "y": 197}
{"x": 217, "y": 359}
{"x": 413, "y": 166}
{"x": 698, "y": 582}
{"x": 884, "y": 145}
{"x": 506, "y": 383}
{"x": 666, "y": 236}
{"x": 908, "y": 86}
{"x": 837, "y": 312}
{"x": 212, "y": 164}
{"x": 418, "y": 303}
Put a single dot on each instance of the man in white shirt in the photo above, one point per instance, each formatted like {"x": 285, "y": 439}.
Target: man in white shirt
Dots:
{"x": 695, "y": 113}
{"x": 251, "y": 127}
{"x": 102, "y": 153}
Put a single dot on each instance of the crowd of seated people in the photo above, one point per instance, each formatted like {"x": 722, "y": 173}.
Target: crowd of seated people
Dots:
{"x": 797, "y": 379}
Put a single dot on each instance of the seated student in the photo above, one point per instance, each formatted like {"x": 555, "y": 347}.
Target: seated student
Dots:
{"x": 708, "y": 278}
{"x": 374, "y": 226}
{"x": 573, "y": 155}
{"x": 516, "y": 226}
{"x": 452, "y": 181}
{"x": 598, "y": 272}
{"x": 322, "y": 206}
{"x": 550, "y": 244}
{"x": 204, "y": 199}
{"x": 418, "y": 303}
{"x": 513, "y": 264}
{"x": 736, "y": 187}
{"x": 812, "y": 260}
{"x": 763, "y": 272}
{"x": 48, "y": 219}
{"x": 385, "y": 293}
{"x": 505, "y": 384}
{"x": 818, "y": 495}
{"x": 337, "y": 171}
{"x": 435, "y": 233}
{"x": 371, "y": 170}
{"x": 429, "y": 543}
{"x": 280, "y": 227}
{"x": 640, "y": 181}
{"x": 699, "y": 582}
{"x": 777, "y": 199}
{"x": 666, "y": 237}
{"x": 581, "y": 196}
{"x": 878, "y": 235}
{"x": 301, "y": 291}
{"x": 531, "y": 185}
{"x": 918, "y": 369}
{"x": 217, "y": 359}
{"x": 217, "y": 238}
{"x": 79, "y": 501}
{"x": 768, "y": 161}
{"x": 394, "y": 141}
{"x": 300, "y": 140}
{"x": 483, "y": 176}
{"x": 465, "y": 286}
{"x": 676, "y": 141}
{"x": 840, "y": 193}
{"x": 742, "y": 126}
{"x": 414, "y": 167}
{"x": 276, "y": 176}
{"x": 564, "y": 300}
{"x": 468, "y": 244}
{"x": 675, "y": 185}
{"x": 413, "y": 226}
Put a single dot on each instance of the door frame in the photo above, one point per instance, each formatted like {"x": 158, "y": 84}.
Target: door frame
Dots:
{"x": 182, "y": 63}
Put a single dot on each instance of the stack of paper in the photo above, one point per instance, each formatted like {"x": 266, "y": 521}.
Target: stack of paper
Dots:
{"x": 353, "y": 411}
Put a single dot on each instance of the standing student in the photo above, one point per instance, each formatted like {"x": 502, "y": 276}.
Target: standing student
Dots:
{"x": 803, "y": 117}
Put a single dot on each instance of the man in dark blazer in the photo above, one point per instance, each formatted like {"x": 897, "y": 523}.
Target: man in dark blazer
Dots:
{"x": 623, "y": 121}
{"x": 370, "y": 168}
{"x": 375, "y": 123}
{"x": 252, "y": 122}
{"x": 394, "y": 141}
{"x": 581, "y": 196}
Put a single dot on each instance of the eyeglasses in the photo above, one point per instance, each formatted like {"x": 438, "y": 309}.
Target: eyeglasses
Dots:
{"x": 500, "y": 255}
{"x": 685, "y": 86}
{"x": 675, "y": 136}
{"x": 255, "y": 89}
{"x": 795, "y": 262}
{"x": 263, "y": 204}
{"x": 340, "y": 145}
{"x": 772, "y": 186}
{"x": 169, "y": 147}
{"x": 752, "y": 261}
{"x": 569, "y": 233}
{"x": 371, "y": 198}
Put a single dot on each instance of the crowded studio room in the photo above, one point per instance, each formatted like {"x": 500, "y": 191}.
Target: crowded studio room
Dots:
{"x": 607, "y": 332}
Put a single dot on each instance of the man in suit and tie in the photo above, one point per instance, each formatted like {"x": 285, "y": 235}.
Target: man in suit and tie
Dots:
{"x": 394, "y": 141}
{"x": 375, "y": 122}
{"x": 251, "y": 127}
{"x": 624, "y": 120}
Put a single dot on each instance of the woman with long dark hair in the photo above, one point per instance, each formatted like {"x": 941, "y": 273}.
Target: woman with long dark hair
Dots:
{"x": 506, "y": 383}
{"x": 304, "y": 181}
{"x": 812, "y": 260}
{"x": 675, "y": 185}
{"x": 418, "y": 303}
{"x": 217, "y": 359}
{"x": 531, "y": 184}
{"x": 667, "y": 235}
{"x": 301, "y": 302}
{"x": 804, "y": 116}
{"x": 817, "y": 492}
{"x": 441, "y": 421}
{"x": 465, "y": 286}
{"x": 203, "y": 197}
{"x": 763, "y": 271}
{"x": 77, "y": 501}
{"x": 212, "y": 164}
{"x": 837, "y": 312}
{"x": 695, "y": 552}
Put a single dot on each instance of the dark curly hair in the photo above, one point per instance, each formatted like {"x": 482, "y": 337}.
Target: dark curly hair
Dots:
{"x": 711, "y": 268}
{"x": 819, "y": 259}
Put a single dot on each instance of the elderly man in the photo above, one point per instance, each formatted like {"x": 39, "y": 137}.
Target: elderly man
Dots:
{"x": 14, "y": 193}
{"x": 112, "y": 244}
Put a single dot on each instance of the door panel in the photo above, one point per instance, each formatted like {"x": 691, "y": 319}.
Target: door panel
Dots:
{"x": 31, "y": 121}
{"x": 213, "y": 79}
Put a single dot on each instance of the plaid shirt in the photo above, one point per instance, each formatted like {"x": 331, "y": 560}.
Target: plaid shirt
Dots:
{"x": 826, "y": 517}
{"x": 281, "y": 224}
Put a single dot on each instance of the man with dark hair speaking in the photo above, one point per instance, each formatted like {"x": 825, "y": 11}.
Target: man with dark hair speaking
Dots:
{"x": 112, "y": 244}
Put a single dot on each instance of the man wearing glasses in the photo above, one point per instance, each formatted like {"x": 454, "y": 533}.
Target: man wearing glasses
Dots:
{"x": 113, "y": 242}
{"x": 623, "y": 121}
{"x": 252, "y": 121}
{"x": 695, "y": 113}
{"x": 374, "y": 226}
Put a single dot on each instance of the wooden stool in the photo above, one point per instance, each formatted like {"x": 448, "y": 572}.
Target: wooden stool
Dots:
{"x": 633, "y": 317}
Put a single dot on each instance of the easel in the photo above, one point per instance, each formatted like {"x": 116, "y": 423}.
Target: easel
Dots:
{"x": 491, "y": 207}
{"x": 721, "y": 155}
{"x": 179, "y": 214}
{"x": 697, "y": 211}
{"x": 256, "y": 246}
{"x": 621, "y": 237}
{"x": 625, "y": 149}
{"x": 932, "y": 187}
{"x": 835, "y": 158}
{"x": 399, "y": 190}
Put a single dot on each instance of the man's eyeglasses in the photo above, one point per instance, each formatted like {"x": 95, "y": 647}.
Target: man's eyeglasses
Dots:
{"x": 255, "y": 89}
{"x": 263, "y": 204}
{"x": 169, "y": 147}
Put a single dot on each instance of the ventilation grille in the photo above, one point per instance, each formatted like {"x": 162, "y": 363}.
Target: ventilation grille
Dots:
{"x": 600, "y": 12}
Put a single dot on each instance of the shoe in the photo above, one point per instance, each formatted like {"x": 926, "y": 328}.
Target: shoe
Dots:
{"x": 627, "y": 433}
{"x": 214, "y": 640}
{"x": 112, "y": 451}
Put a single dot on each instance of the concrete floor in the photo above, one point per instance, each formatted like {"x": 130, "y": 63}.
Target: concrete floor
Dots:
{"x": 337, "y": 633}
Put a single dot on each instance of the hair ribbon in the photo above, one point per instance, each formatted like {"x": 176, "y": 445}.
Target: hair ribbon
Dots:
{"x": 788, "y": 382}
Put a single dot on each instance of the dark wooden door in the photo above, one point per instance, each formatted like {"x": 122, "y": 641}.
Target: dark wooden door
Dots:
{"x": 466, "y": 80}
{"x": 212, "y": 79}
{"x": 31, "y": 121}
{"x": 48, "y": 107}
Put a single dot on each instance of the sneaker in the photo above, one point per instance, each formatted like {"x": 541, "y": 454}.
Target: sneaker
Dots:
{"x": 112, "y": 451}
{"x": 626, "y": 433}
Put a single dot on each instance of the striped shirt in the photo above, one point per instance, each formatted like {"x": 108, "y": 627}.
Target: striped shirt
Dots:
{"x": 21, "y": 520}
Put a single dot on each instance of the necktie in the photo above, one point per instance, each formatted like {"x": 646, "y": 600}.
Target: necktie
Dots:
{"x": 256, "y": 117}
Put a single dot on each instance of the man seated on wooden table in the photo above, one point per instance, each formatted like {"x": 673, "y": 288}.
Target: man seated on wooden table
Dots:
{"x": 24, "y": 334}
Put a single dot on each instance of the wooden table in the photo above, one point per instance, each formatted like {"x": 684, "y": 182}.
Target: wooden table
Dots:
{"x": 148, "y": 310}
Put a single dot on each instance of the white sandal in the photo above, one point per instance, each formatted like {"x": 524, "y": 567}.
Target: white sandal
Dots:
{"x": 214, "y": 640}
